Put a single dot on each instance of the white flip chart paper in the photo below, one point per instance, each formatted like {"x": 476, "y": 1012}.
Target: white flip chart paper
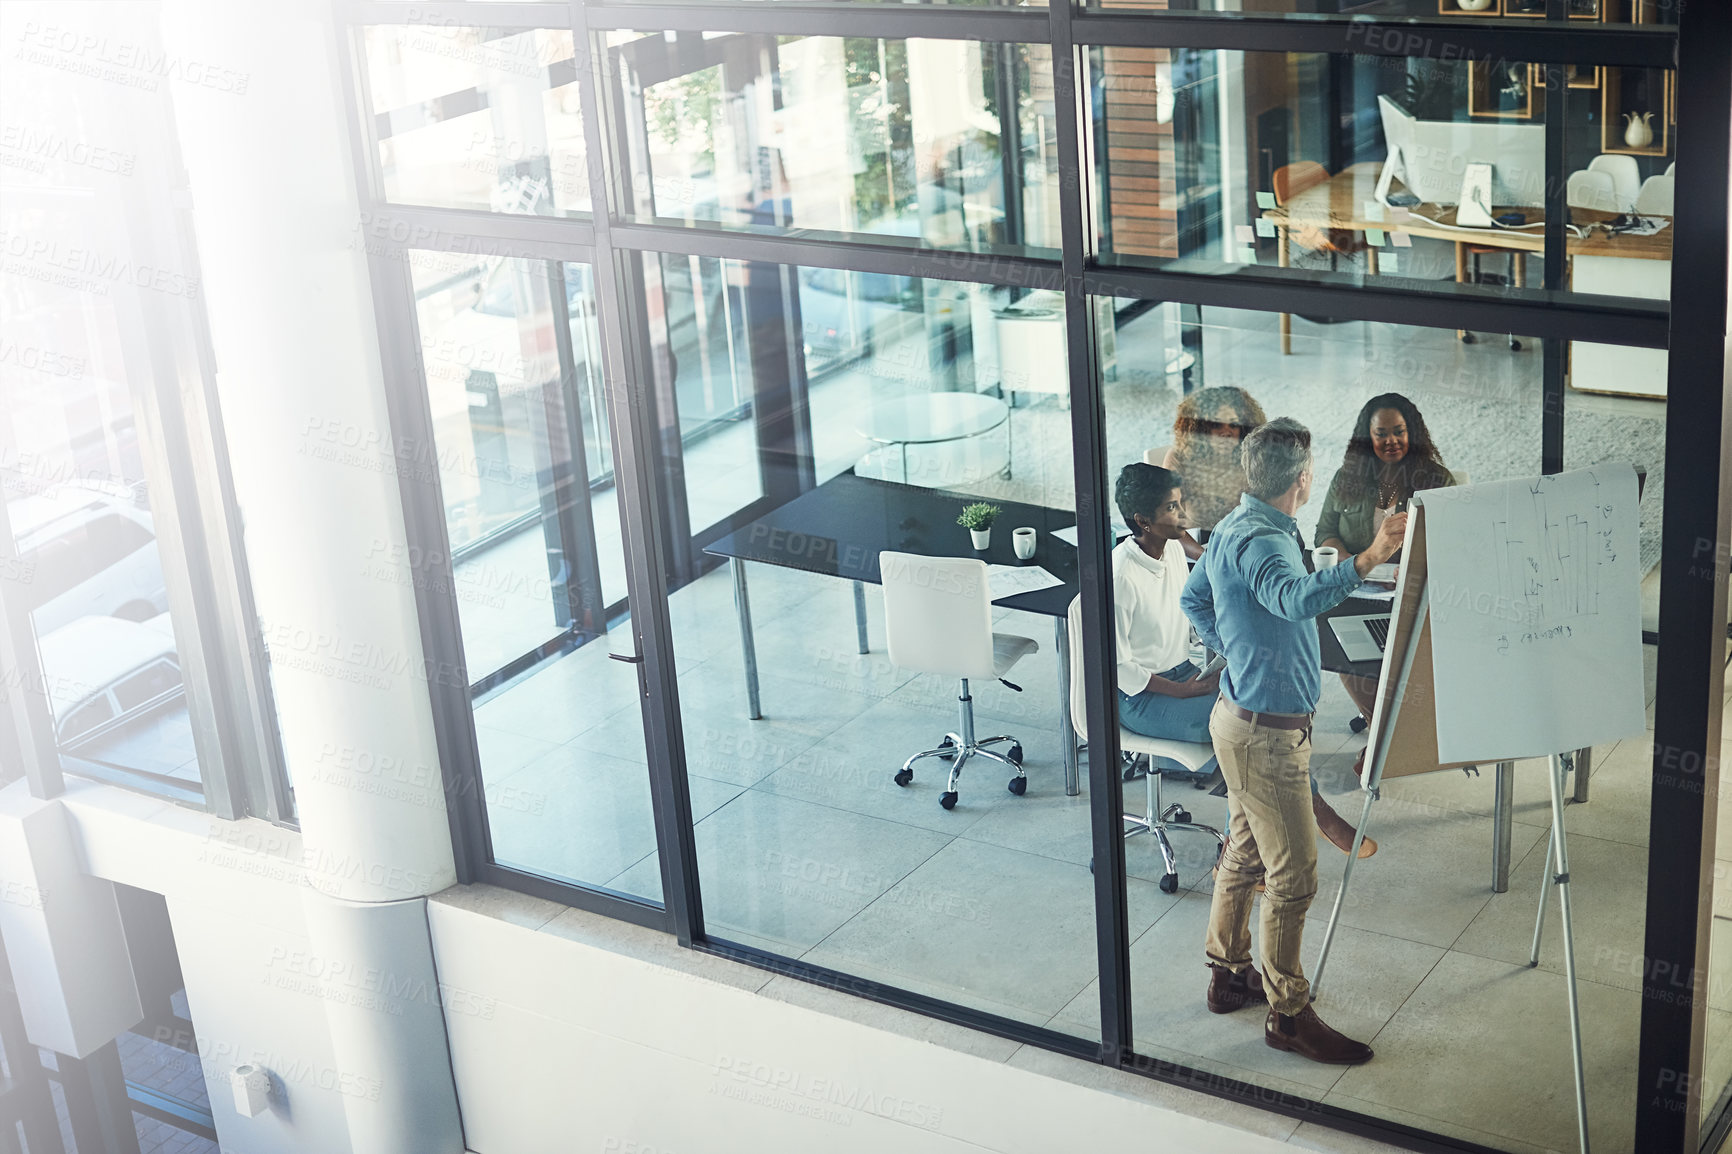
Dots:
{"x": 1535, "y": 604}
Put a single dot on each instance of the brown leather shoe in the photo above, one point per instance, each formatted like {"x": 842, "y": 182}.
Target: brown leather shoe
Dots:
{"x": 1305, "y": 1034}
{"x": 1359, "y": 765}
{"x": 1229, "y": 991}
{"x": 1337, "y": 828}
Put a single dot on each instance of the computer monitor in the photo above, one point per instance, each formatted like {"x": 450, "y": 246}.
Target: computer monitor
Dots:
{"x": 1431, "y": 156}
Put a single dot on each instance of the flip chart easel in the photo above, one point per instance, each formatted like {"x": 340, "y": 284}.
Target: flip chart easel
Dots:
{"x": 1403, "y": 740}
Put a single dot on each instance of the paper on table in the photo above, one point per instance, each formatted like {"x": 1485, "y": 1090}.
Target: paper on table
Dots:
{"x": 1370, "y": 592}
{"x": 1067, "y": 535}
{"x": 1009, "y": 580}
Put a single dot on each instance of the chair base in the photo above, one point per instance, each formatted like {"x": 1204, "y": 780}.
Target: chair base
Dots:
{"x": 1159, "y": 820}
{"x": 959, "y": 746}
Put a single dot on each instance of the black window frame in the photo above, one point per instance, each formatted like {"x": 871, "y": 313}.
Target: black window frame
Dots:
{"x": 1696, "y": 508}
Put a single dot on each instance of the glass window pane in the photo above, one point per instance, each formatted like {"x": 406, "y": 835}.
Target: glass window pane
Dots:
{"x": 1376, "y": 171}
{"x": 479, "y": 118}
{"x": 523, "y": 446}
{"x": 947, "y": 142}
{"x": 147, "y": 685}
{"x": 1428, "y": 965}
{"x": 901, "y": 414}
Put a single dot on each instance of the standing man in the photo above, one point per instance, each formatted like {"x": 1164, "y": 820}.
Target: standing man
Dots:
{"x": 1251, "y": 599}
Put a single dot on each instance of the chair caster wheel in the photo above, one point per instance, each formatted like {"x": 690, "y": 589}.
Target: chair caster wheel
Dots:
{"x": 1183, "y": 817}
{"x": 1015, "y": 753}
{"x": 1169, "y": 883}
{"x": 1018, "y": 785}
{"x": 1358, "y": 724}
{"x": 904, "y": 776}
{"x": 947, "y": 799}
{"x": 1091, "y": 865}
{"x": 1469, "y": 339}
{"x": 1515, "y": 346}
{"x": 951, "y": 746}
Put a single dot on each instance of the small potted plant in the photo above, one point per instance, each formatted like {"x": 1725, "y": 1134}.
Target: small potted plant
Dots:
{"x": 977, "y": 519}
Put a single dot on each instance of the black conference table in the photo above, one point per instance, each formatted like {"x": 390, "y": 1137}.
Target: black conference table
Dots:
{"x": 839, "y": 528}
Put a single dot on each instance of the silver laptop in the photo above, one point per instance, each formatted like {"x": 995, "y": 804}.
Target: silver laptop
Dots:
{"x": 1362, "y": 637}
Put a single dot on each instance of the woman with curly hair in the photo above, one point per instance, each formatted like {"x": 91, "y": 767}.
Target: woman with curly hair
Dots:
{"x": 1207, "y": 430}
{"x": 1389, "y": 458}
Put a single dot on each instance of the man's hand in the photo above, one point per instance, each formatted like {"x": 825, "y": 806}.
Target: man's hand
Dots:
{"x": 1389, "y": 538}
{"x": 1205, "y": 686}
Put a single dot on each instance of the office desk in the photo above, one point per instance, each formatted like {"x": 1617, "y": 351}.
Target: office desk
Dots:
{"x": 1340, "y": 203}
{"x": 839, "y": 528}
{"x": 1503, "y": 797}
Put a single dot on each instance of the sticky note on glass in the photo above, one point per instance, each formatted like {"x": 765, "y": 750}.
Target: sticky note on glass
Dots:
{"x": 1247, "y": 256}
{"x": 1398, "y": 215}
{"x": 1401, "y": 239}
{"x": 1265, "y": 200}
{"x": 1265, "y": 227}
{"x": 1374, "y": 237}
{"x": 1373, "y": 210}
{"x": 1243, "y": 232}
{"x": 1389, "y": 262}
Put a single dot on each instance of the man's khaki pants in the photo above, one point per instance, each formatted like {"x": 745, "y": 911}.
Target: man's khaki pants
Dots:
{"x": 1272, "y": 835}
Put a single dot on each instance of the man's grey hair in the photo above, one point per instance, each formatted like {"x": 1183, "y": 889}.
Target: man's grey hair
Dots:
{"x": 1274, "y": 455}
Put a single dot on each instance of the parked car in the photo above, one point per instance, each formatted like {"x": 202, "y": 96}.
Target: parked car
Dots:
{"x": 87, "y": 552}
{"x": 105, "y": 673}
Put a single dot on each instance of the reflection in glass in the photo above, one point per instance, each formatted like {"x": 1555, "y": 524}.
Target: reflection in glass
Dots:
{"x": 478, "y": 118}
{"x": 1354, "y": 168}
{"x": 947, "y": 141}
{"x": 1583, "y": 14}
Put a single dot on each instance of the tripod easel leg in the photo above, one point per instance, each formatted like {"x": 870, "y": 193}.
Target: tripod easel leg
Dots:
{"x": 1341, "y": 894}
{"x": 1545, "y": 885}
{"x": 1561, "y": 860}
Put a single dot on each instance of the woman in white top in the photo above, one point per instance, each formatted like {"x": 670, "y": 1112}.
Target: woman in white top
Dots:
{"x": 1160, "y": 692}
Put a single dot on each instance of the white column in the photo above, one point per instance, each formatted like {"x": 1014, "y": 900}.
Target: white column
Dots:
{"x": 267, "y": 147}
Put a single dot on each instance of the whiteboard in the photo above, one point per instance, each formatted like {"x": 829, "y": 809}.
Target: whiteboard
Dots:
{"x": 1535, "y": 603}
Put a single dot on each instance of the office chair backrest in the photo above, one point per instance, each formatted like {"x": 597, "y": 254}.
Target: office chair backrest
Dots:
{"x": 1626, "y": 177}
{"x": 1589, "y": 189}
{"x": 1656, "y": 196}
{"x": 1292, "y": 179}
{"x": 937, "y": 614}
{"x": 1459, "y": 475}
{"x": 1079, "y": 705}
{"x": 1157, "y": 455}
{"x": 1672, "y": 169}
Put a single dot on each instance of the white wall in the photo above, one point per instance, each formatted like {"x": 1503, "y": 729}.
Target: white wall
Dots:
{"x": 560, "y": 1045}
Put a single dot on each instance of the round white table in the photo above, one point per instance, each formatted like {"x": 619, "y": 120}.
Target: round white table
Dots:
{"x": 934, "y": 419}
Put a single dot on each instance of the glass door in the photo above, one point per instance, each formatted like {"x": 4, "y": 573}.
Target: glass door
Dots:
{"x": 523, "y": 448}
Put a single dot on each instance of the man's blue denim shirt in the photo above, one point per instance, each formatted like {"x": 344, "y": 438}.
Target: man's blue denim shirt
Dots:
{"x": 1250, "y": 597}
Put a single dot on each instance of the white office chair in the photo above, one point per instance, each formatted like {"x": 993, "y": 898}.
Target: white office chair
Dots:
{"x": 938, "y": 619}
{"x": 1589, "y": 189}
{"x": 1460, "y": 476}
{"x": 1656, "y": 196}
{"x": 1155, "y": 819}
{"x": 1157, "y": 456}
{"x": 1672, "y": 169}
{"x": 1626, "y": 177}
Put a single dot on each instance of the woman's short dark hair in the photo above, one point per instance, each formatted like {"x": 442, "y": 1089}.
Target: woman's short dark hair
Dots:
{"x": 1143, "y": 489}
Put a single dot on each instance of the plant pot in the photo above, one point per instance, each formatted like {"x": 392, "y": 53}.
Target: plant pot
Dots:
{"x": 982, "y": 537}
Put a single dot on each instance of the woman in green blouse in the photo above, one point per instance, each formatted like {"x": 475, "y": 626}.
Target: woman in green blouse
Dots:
{"x": 1389, "y": 458}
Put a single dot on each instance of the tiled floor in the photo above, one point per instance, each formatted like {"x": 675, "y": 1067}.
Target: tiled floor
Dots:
{"x": 807, "y": 848}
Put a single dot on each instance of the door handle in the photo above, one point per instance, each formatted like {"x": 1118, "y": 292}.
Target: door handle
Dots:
{"x": 637, "y": 660}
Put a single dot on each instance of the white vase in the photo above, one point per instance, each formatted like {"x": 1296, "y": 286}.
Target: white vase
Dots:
{"x": 1639, "y": 133}
{"x": 982, "y": 537}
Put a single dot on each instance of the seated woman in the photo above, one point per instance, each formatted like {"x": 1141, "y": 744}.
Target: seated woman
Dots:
{"x": 1160, "y": 692}
{"x": 1207, "y": 430}
{"x": 1390, "y": 457}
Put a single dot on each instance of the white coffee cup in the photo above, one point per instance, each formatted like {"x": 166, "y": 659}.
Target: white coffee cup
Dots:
{"x": 1022, "y": 540}
{"x": 1324, "y": 557}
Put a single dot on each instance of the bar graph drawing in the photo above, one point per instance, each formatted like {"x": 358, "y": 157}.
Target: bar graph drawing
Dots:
{"x": 1549, "y": 565}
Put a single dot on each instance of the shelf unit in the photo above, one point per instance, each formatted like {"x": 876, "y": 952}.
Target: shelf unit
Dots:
{"x": 1638, "y": 90}
{"x": 1481, "y": 89}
